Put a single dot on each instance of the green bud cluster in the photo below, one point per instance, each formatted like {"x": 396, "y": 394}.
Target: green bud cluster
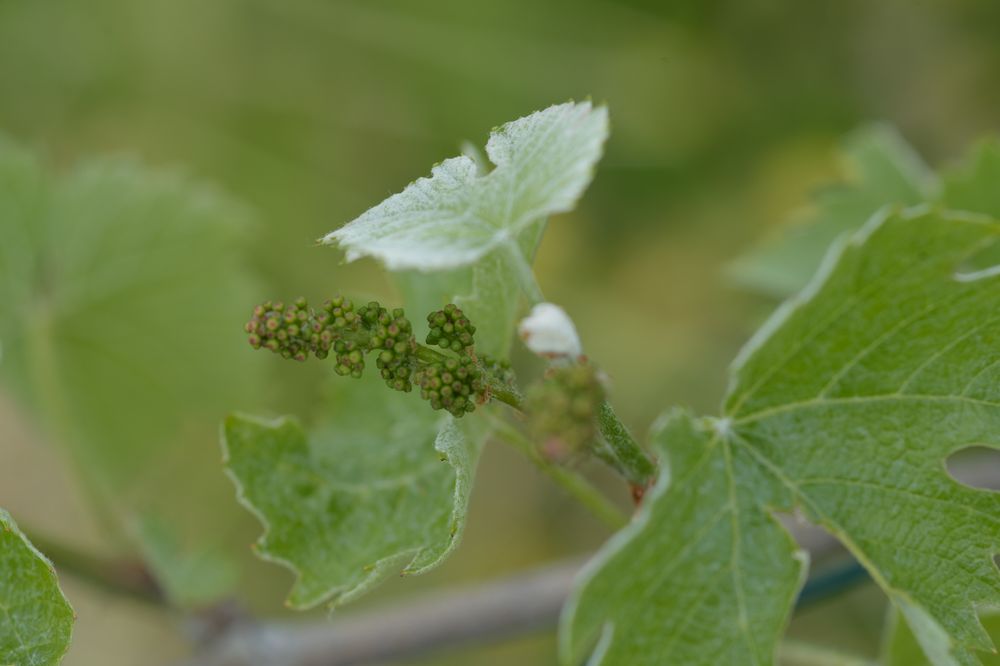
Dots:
{"x": 283, "y": 329}
{"x": 449, "y": 329}
{"x": 337, "y": 328}
{"x": 563, "y": 409}
{"x": 455, "y": 384}
{"x": 336, "y": 322}
{"x": 391, "y": 335}
{"x": 452, "y": 382}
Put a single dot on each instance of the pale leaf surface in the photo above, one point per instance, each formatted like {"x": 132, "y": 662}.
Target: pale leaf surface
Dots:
{"x": 543, "y": 163}
{"x": 382, "y": 489}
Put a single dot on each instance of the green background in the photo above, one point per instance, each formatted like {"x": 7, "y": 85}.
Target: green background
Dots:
{"x": 725, "y": 115}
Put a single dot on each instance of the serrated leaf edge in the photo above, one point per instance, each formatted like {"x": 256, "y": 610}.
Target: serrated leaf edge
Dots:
{"x": 7, "y": 523}
{"x": 375, "y": 573}
{"x": 503, "y": 235}
{"x": 844, "y": 243}
{"x": 621, "y": 539}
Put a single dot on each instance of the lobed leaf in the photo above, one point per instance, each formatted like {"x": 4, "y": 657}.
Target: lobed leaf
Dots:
{"x": 381, "y": 489}
{"x": 460, "y": 236}
{"x": 703, "y": 575}
{"x": 844, "y": 406}
{"x": 544, "y": 162}
{"x": 36, "y": 621}
{"x": 119, "y": 287}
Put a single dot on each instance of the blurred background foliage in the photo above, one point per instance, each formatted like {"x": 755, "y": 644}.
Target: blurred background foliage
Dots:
{"x": 726, "y": 114}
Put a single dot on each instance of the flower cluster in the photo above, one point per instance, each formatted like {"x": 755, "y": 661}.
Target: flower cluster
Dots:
{"x": 283, "y": 329}
{"x": 453, "y": 381}
{"x": 449, "y": 329}
{"x": 295, "y": 331}
{"x": 336, "y": 327}
{"x": 563, "y": 409}
{"x": 455, "y": 384}
{"x": 392, "y": 337}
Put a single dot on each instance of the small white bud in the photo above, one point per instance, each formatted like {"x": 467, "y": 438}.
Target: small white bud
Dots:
{"x": 548, "y": 331}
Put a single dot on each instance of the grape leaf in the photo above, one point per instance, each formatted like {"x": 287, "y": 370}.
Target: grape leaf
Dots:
{"x": 36, "y": 621}
{"x": 544, "y": 162}
{"x": 703, "y": 575}
{"x": 844, "y": 406}
{"x": 119, "y": 287}
{"x": 427, "y": 234}
{"x": 382, "y": 488}
{"x": 883, "y": 169}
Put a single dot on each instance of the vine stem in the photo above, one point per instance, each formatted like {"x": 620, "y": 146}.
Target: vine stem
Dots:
{"x": 622, "y": 452}
{"x": 126, "y": 577}
{"x": 505, "y": 393}
{"x": 577, "y": 486}
{"x": 445, "y": 619}
{"x": 617, "y": 446}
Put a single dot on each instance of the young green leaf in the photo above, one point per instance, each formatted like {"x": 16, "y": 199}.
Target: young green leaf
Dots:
{"x": 119, "y": 287}
{"x": 36, "y": 621}
{"x": 883, "y": 169}
{"x": 382, "y": 489}
{"x": 844, "y": 406}
{"x": 543, "y": 164}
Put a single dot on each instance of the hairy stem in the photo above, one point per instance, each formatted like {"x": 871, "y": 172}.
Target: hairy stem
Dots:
{"x": 571, "y": 482}
{"x": 617, "y": 448}
{"x": 507, "y": 393}
{"x": 621, "y": 451}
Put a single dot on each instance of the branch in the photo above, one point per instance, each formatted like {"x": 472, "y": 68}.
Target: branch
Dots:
{"x": 126, "y": 577}
{"x": 518, "y": 605}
